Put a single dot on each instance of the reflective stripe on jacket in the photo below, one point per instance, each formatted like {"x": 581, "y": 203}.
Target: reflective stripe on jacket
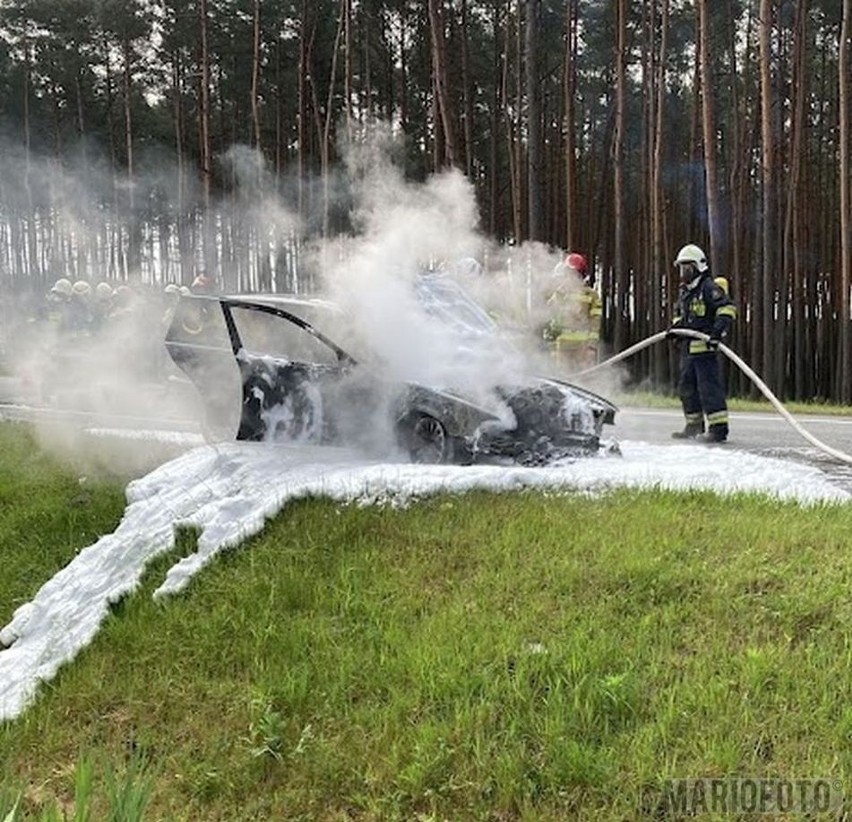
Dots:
{"x": 706, "y": 307}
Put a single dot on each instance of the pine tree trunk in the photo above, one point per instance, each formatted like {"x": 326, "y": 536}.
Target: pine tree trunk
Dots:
{"x": 467, "y": 91}
{"x": 620, "y": 303}
{"x": 660, "y": 270}
{"x": 499, "y": 54}
{"x": 844, "y": 69}
{"x": 255, "y": 79}
{"x": 572, "y": 239}
{"x": 793, "y": 235}
{"x": 304, "y": 72}
{"x": 329, "y": 109}
{"x": 347, "y": 73}
{"x": 708, "y": 121}
{"x": 533, "y": 110}
{"x": 440, "y": 74}
{"x": 204, "y": 106}
{"x": 768, "y": 191}
{"x": 134, "y": 244}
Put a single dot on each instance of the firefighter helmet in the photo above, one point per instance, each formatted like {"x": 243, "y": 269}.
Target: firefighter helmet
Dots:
{"x": 171, "y": 289}
{"x": 103, "y": 292}
{"x": 577, "y": 262}
{"x": 691, "y": 254}
{"x": 81, "y": 289}
{"x": 62, "y": 288}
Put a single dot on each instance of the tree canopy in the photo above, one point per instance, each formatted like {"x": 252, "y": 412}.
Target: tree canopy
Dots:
{"x": 151, "y": 139}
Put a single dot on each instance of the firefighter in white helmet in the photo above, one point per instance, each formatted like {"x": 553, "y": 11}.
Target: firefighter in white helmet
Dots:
{"x": 60, "y": 291}
{"x": 81, "y": 306}
{"x": 57, "y": 309}
{"x": 172, "y": 293}
{"x": 703, "y": 305}
{"x": 102, "y": 304}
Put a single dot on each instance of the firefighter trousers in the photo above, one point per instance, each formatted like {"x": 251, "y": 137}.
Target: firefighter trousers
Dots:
{"x": 702, "y": 389}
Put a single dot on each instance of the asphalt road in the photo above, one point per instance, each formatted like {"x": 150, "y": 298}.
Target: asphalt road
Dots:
{"x": 753, "y": 431}
{"x": 764, "y": 433}
{"x": 11, "y": 389}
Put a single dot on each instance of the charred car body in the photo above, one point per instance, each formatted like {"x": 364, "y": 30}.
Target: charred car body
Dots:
{"x": 292, "y": 382}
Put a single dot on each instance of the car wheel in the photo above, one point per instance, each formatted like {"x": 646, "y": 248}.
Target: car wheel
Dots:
{"x": 426, "y": 439}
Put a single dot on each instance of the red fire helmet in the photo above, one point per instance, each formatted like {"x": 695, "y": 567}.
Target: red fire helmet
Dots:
{"x": 577, "y": 262}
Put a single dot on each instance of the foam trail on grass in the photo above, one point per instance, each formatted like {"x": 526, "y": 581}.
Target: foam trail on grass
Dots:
{"x": 229, "y": 492}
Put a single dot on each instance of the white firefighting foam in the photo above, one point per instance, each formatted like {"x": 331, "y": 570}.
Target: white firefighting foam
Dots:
{"x": 228, "y": 493}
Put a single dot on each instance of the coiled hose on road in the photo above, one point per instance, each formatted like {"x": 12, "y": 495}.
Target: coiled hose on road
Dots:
{"x": 741, "y": 364}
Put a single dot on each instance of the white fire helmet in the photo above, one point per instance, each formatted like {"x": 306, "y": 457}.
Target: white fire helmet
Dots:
{"x": 62, "y": 288}
{"x": 692, "y": 254}
{"x": 81, "y": 289}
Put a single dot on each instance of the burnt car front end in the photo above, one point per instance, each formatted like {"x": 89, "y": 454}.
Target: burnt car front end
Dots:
{"x": 549, "y": 420}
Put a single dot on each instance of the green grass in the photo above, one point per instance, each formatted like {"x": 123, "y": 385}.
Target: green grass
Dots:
{"x": 658, "y": 400}
{"x": 517, "y": 656}
{"x": 47, "y": 513}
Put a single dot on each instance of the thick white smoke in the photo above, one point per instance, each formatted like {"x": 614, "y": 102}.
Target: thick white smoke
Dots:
{"x": 409, "y": 234}
{"x": 399, "y": 276}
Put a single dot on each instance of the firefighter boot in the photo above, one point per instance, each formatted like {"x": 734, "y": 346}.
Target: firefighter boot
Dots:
{"x": 690, "y": 432}
{"x": 717, "y": 433}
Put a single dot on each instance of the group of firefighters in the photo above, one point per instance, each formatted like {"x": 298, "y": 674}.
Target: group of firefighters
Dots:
{"x": 79, "y": 309}
{"x": 75, "y": 308}
{"x": 703, "y": 305}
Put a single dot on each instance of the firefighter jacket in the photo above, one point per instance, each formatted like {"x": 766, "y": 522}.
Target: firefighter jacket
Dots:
{"x": 704, "y": 306}
{"x": 576, "y": 315}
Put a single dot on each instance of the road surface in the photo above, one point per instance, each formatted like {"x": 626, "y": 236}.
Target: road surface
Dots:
{"x": 765, "y": 433}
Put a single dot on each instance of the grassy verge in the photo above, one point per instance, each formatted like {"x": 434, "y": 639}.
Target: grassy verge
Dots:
{"x": 47, "y": 513}
{"x": 657, "y": 400}
{"x": 512, "y": 656}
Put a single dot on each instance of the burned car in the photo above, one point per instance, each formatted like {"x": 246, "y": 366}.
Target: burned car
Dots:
{"x": 267, "y": 370}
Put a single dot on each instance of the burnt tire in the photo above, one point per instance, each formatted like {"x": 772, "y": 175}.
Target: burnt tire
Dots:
{"x": 426, "y": 440}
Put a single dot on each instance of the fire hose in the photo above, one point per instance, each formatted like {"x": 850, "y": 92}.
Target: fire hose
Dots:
{"x": 741, "y": 364}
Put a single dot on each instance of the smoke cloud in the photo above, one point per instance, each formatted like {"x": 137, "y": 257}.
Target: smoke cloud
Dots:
{"x": 401, "y": 273}
{"x": 410, "y": 250}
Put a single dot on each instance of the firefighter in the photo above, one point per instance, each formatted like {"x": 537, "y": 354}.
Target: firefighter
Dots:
{"x": 703, "y": 305}
{"x": 58, "y": 300}
{"x": 195, "y": 317}
{"x": 60, "y": 291}
{"x": 102, "y": 305}
{"x": 574, "y": 327}
{"x": 203, "y": 284}
{"x": 172, "y": 293}
{"x": 57, "y": 311}
{"x": 81, "y": 307}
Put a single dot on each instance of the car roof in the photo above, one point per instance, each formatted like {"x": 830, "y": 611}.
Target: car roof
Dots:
{"x": 289, "y": 302}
